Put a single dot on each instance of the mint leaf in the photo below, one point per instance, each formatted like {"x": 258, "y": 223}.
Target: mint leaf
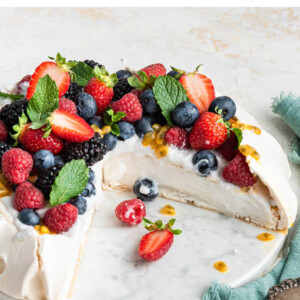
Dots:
{"x": 11, "y": 96}
{"x": 239, "y": 134}
{"x": 70, "y": 182}
{"x": 83, "y": 73}
{"x": 168, "y": 93}
{"x": 110, "y": 118}
{"x": 44, "y": 101}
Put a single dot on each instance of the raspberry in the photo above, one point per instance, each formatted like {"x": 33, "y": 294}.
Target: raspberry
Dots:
{"x": 131, "y": 212}
{"x": 61, "y": 218}
{"x": 229, "y": 149}
{"x": 130, "y": 105}
{"x": 68, "y": 105}
{"x": 16, "y": 165}
{"x": 238, "y": 172}
{"x": 22, "y": 86}
{"x": 138, "y": 93}
{"x": 3, "y": 132}
{"x": 28, "y": 196}
{"x": 178, "y": 137}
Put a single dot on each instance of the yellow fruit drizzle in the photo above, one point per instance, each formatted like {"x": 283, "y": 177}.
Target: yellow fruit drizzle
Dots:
{"x": 248, "y": 150}
{"x": 266, "y": 237}
{"x": 237, "y": 124}
{"x": 221, "y": 266}
{"x": 168, "y": 210}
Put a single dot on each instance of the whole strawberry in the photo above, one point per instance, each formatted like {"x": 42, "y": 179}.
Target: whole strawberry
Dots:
{"x": 3, "y": 132}
{"x": 100, "y": 88}
{"x": 68, "y": 105}
{"x": 238, "y": 172}
{"x": 131, "y": 212}
{"x": 177, "y": 137}
{"x": 157, "y": 243}
{"x": 155, "y": 70}
{"x": 61, "y": 218}
{"x": 130, "y": 105}
{"x": 16, "y": 165}
{"x": 28, "y": 196}
{"x": 208, "y": 132}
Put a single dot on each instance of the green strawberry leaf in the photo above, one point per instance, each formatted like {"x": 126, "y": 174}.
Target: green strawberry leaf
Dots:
{"x": 168, "y": 93}
{"x": 115, "y": 129}
{"x": 176, "y": 231}
{"x": 70, "y": 182}
{"x": 11, "y": 96}
{"x": 239, "y": 135}
{"x": 110, "y": 119}
{"x": 142, "y": 82}
{"x": 83, "y": 73}
{"x": 44, "y": 101}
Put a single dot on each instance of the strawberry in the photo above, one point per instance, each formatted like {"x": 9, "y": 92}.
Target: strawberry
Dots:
{"x": 155, "y": 70}
{"x": 3, "y": 131}
{"x": 68, "y": 105}
{"x": 100, "y": 88}
{"x": 157, "y": 243}
{"x": 177, "y": 137}
{"x": 58, "y": 71}
{"x": 207, "y": 133}
{"x": 230, "y": 148}
{"x": 238, "y": 172}
{"x": 70, "y": 127}
{"x": 130, "y": 105}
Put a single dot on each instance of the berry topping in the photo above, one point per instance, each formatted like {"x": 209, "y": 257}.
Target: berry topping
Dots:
{"x": 230, "y": 148}
{"x": 155, "y": 70}
{"x": 185, "y": 114}
{"x": 144, "y": 125}
{"x": 73, "y": 91}
{"x": 28, "y": 196}
{"x": 91, "y": 63}
{"x": 58, "y": 160}
{"x": 177, "y": 137}
{"x": 89, "y": 190}
{"x": 68, "y": 105}
{"x": 110, "y": 140}
{"x": 22, "y": 86}
{"x": 238, "y": 172}
{"x": 96, "y": 120}
{"x": 3, "y": 132}
{"x": 208, "y": 132}
{"x": 86, "y": 105}
{"x": 145, "y": 189}
{"x": 29, "y": 217}
{"x": 91, "y": 175}
{"x": 61, "y": 218}
{"x": 122, "y": 74}
{"x": 16, "y": 165}
{"x": 130, "y": 105}
{"x": 206, "y": 162}
{"x": 148, "y": 102}
{"x": 174, "y": 74}
{"x": 131, "y": 212}
{"x": 43, "y": 159}
{"x": 224, "y": 106}
{"x": 80, "y": 203}
{"x": 126, "y": 130}
{"x": 121, "y": 88}
{"x": 3, "y": 148}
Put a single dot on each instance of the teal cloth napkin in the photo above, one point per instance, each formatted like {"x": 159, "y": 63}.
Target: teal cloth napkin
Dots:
{"x": 287, "y": 268}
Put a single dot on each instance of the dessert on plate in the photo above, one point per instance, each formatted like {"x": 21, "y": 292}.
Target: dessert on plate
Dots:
{"x": 71, "y": 130}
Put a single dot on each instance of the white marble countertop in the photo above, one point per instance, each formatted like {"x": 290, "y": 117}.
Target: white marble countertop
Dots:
{"x": 251, "y": 54}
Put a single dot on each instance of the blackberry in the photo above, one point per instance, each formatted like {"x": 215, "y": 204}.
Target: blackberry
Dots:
{"x": 46, "y": 178}
{"x": 3, "y": 148}
{"x": 10, "y": 113}
{"x": 121, "y": 88}
{"x": 92, "y": 63}
{"x": 73, "y": 91}
{"x": 91, "y": 151}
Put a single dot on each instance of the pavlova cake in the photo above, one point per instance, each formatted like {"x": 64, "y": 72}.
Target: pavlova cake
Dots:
{"x": 71, "y": 129}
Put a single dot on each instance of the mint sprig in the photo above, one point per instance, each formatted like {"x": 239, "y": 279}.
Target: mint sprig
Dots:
{"x": 11, "y": 96}
{"x": 142, "y": 81}
{"x": 168, "y": 93}
{"x": 111, "y": 118}
{"x": 159, "y": 226}
{"x": 82, "y": 73}
{"x": 70, "y": 182}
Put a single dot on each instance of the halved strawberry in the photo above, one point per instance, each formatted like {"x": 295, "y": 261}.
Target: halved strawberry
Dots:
{"x": 70, "y": 127}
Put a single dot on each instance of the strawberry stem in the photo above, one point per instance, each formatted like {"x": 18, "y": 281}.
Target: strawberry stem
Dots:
{"x": 159, "y": 226}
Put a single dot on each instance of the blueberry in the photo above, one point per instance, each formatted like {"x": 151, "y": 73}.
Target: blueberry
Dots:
{"x": 149, "y": 103}
{"x": 86, "y": 105}
{"x": 89, "y": 190}
{"x": 80, "y": 203}
{"x": 110, "y": 140}
{"x": 121, "y": 74}
{"x": 144, "y": 125}
{"x": 58, "y": 160}
{"x": 91, "y": 175}
{"x": 43, "y": 159}
{"x": 126, "y": 130}
{"x": 206, "y": 162}
{"x": 173, "y": 74}
{"x": 96, "y": 120}
{"x": 14, "y": 187}
{"x": 145, "y": 189}
{"x": 185, "y": 114}
{"x": 227, "y": 106}
{"x": 29, "y": 216}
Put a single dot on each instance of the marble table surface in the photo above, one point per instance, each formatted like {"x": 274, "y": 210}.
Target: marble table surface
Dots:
{"x": 251, "y": 54}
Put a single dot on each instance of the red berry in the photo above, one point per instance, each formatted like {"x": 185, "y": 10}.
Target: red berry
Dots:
{"x": 61, "y": 218}
{"x": 155, "y": 244}
{"x": 33, "y": 140}
{"x": 3, "y": 132}
{"x": 68, "y": 105}
{"x": 130, "y": 105}
{"x": 70, "y": 127}
{"x": 178, "y": 137}
{"x": 207, "y": 133}
{"x": 16, "y": 165}
{"x": 28, "y": 196}
{"x": 131, "y": 212}
{"x": 229, "y": 149}
{"x": 22, "y": 86}
{"x": 155, "y": 70}
{"x": 238, "y": 172}
{"x": 58, "y": 74}
{"x": 138, "y": 93}
{"x": 199, "y": 89}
